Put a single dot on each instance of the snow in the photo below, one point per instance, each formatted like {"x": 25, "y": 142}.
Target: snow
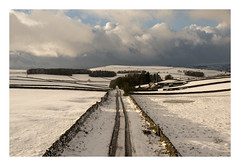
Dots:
{"x": 50, "y": 76}
{"x": 86, "y": 77}
{"x": 95, "y": 135}
{"x": 121, "y": 134}
{"x": 176, "y": 72}
{"x": 39, "y": 117}
{"x": 17, "y": 73}
{"x": 30, "y": 82}
{"x": 143, "y": 145}
{"x": 200, "y": 88}
{"x": 217, "y": 86}
{"x": 207, "y": 81}
{"x": 197, "y": 125}
{"x": 77, "y": 80}
{"x": 208, "y": 88}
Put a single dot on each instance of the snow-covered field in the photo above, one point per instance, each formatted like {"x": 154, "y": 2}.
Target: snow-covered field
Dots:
{"x": 208, "y": 88}
{"x": 176, "y": 72}
{"x": 39, "y": 117}
{"x": 184, "y": 88}
{"x": 197, "y": 125}
{"x": 207, "y": 81}
{"x": 19, "y": 77}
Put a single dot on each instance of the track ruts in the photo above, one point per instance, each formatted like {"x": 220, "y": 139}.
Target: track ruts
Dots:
{"x": 114, "y": 141}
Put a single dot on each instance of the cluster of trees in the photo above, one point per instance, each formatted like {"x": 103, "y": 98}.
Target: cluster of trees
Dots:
{"x": 130, "y": 71}
{"x": 101, "y": 73}
{"x": 70, "y": 72}
{"x": 131, "y": 80}
{"x": 55, "y": 71}
{"x": 169, "y": 77}
{"x": 194, "y": 73}
{"x": 81, "y": 71}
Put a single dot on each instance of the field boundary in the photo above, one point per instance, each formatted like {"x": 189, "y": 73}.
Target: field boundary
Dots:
{"x": 163, "y": 138}
{"x": 182, "y": 93}
{"x": 58, "y": 87}
{"x": 57, "y": 147}
{"x": 199, "y": 85}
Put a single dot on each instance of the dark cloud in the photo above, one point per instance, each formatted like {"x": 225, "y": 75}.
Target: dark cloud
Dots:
{"x": 52, "y": 39}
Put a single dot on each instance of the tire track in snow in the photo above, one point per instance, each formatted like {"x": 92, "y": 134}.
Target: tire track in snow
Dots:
{"x": 120, "y": 143}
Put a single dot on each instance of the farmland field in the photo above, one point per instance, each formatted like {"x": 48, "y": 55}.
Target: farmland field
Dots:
{"x": 196, "y": 124}
{"x": 38, "y": 117}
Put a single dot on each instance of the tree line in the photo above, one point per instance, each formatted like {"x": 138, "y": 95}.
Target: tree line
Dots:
{"x": 70, "y": 72}
{"x": 102, "y": 73}
{"x": 55, "y": 71}
{"x": 193, "y": 73}
{"x": 130, "y": 71}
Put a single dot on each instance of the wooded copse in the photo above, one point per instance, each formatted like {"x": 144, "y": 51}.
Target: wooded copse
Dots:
{"x": 194, "y": 73}
{"x": 130, "y": 71}
{"x": 102, "y": 73}
{"x": 129, "y": 81}
{"x": 70, "y": 72}
{"x": 53, "y": 71}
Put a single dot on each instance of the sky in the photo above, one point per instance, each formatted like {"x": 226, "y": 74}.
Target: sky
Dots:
{"x": 91, "y": 38}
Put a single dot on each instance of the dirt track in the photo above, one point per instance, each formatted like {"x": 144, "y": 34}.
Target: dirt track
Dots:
{"x": 121, "y": 143}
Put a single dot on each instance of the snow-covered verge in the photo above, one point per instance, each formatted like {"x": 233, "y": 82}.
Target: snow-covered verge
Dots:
{"x": 38, "y": 117}
{"x": 197, "y": 124}
{"x": 95, "y": 133}
{"x": 84, "y": 127}
{"x": 144, "y": 141}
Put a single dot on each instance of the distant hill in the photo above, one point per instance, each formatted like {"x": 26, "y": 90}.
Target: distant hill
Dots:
{"x": 216, "y": 66}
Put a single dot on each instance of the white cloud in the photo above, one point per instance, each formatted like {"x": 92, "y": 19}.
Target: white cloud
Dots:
{"x": 221, "y": 16}
{"x": 206, "y": 29}
{"x": 122, "y": 39}
{"x": 110, "y": 26}
{"x": 48, "y": 33}
{"x": 25, "y": 18}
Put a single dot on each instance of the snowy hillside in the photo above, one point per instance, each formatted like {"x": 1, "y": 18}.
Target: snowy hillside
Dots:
{"x": 38, "y": 117}
{"x": 196, "y": 124}
{"x": 176, "y": 72}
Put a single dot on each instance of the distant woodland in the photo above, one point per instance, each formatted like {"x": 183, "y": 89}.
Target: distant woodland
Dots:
{"x": 70, "y": 72}
{"x": 129, "y": 81}
{"x": 194, "y": 73}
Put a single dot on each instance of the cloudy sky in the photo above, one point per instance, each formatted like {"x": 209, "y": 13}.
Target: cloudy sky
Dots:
{"x": 90, "y": 38}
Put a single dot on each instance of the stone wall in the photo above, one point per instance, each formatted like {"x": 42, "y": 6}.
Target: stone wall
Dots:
{"x": 57, "y": 147}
